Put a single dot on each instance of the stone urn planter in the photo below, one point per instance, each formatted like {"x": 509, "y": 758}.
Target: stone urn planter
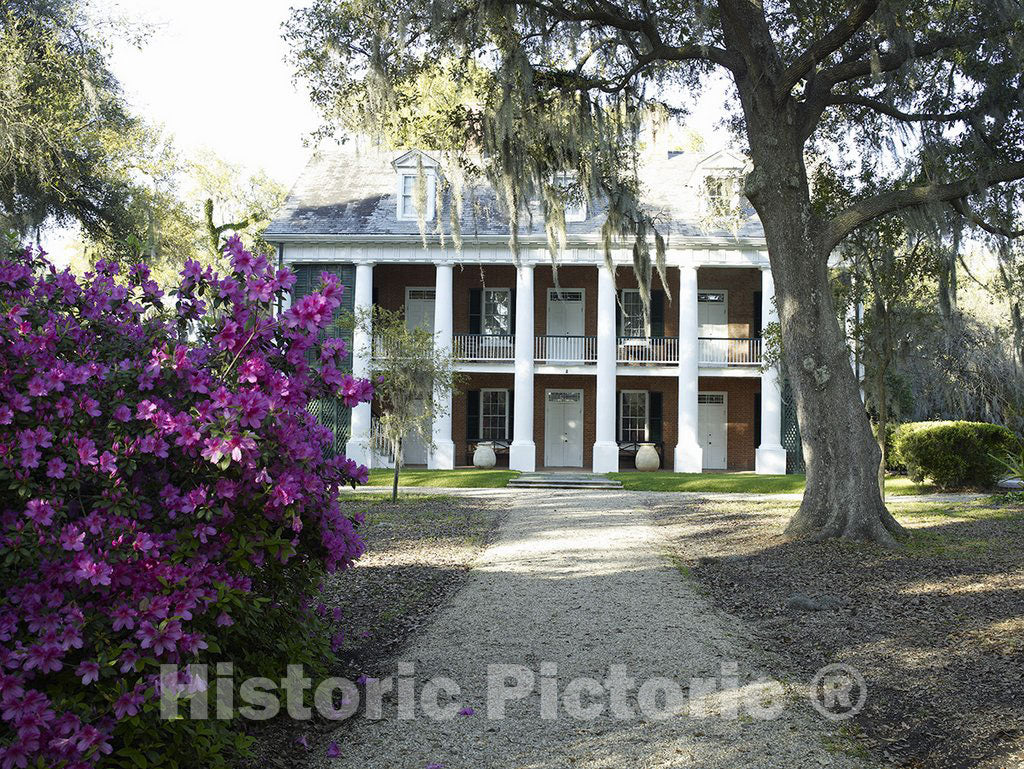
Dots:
{"x": 647, "y": 459}
{"x": 484, "y": 455}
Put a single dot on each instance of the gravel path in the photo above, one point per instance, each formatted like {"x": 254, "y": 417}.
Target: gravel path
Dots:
{"x": 580, "y": 580}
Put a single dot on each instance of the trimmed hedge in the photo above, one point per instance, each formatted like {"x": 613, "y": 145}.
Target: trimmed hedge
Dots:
{"x": 952, "y": 454}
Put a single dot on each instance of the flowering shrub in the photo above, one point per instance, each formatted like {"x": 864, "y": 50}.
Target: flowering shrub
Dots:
{"x": 165, "y": 490}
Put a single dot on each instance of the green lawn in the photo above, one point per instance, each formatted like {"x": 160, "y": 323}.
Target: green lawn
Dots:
{"x": 463, "y": 478}
{"x": 746, "y": 483}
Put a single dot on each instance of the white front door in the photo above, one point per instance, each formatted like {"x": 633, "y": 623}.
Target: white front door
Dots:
{"x": 563, "y": 428}
{"x": 419, "y": 308}
{"x": 565, "y": 319}
{"x": 712, "y": 429}
{"x": 713, "y": 325}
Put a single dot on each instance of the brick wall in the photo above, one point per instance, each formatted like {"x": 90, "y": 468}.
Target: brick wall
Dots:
{"x": 669, "y": 389}
{"x": 391, "y": 280}
{"x": 463, "y": 455}
{"x": 741, "y": 283}
{"x": 740, "y": 414}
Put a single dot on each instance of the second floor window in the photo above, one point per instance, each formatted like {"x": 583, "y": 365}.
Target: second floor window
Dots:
{"x": 407, "y": 195}
{"x": 632, "y": 314}
{"x": 497, "y": 312}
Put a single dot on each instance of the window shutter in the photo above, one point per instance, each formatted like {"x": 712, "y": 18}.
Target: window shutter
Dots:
{"x": 473, "y": 415}
{"x": 757, "y": 420}
{"x": 373, "y": 298}
{"x": 618, "y": 417}
{"x": 654, "y": 419}
{"x": 618, "y": 315}
{"x": 757, "y": 324}
{"x": 303, "y": 282}
{"x": 658, "y": 313}
{"x": 511, "y": 415}
{"x": 512, "y": 311}
{"x": 475, "y": 301}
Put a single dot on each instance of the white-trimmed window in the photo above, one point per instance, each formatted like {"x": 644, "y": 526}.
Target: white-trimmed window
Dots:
{"x": 493, "y": 415}
{"x": 496, "y": 311}
{"x": 722, "y": 194}
{"x": 632, "y": 311}
{"x": 407, "y": 194}
{"x": 634, "y": 416}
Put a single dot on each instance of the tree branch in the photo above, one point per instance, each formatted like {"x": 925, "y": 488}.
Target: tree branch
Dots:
{"x": 893, "y": 112}
{"x": 825, "y": 46}
{"x": 960, "y": 206}
{"x": 883, "y": 203}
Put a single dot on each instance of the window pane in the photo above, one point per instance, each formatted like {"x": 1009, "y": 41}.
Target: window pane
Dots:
{"x": 632, "y": 314}
{"x": 633, "y": 417}
{"x": 497, "y": 312}
{"x": 493, "y": 415}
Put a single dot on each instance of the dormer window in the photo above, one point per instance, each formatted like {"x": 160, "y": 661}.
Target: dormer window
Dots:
{"x": 407, "y": 192}
{"x": 575, "y": 201}
{"x": 723, "y": 194}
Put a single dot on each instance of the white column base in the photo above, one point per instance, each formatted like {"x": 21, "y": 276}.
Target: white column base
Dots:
{"x": 689, "y": 459}
{"x": 770, "y": 460}
{"x": 522, "y": 456}
{"x": 442, "y": 456}
{"x": 606, "y": 457}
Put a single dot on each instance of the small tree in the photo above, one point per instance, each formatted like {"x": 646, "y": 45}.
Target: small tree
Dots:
{"x": 412, "y": 377}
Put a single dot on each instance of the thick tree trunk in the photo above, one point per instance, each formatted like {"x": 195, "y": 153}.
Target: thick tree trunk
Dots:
{"x": 842, "y": 496}
{"x": 398, "y": 467}
{"x": 882, "y": 404}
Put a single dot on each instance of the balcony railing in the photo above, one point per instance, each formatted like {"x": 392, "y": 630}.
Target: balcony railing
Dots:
{"x": 565, "y": 349}
{"x": 484, "y": 347}
{"x": 729, "y": 352}
{"x": 712, "y": 351}
{"x": 654, "y": 349}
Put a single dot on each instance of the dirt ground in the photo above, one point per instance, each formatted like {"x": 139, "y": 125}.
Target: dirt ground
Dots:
{"x": 418, "y": 554}
{"x": 936, "y": 628}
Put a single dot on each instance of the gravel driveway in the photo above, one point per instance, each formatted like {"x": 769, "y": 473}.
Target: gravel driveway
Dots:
{"x": 579, "y": 580}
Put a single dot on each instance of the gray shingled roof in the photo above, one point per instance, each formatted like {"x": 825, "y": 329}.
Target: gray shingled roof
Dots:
{"x": 346, "y": 191}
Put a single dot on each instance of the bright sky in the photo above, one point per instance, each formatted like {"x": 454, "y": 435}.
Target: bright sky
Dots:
{"x": 213, "y": 72}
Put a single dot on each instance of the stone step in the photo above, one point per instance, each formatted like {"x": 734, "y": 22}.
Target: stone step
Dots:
{"x": 563, "y": 481}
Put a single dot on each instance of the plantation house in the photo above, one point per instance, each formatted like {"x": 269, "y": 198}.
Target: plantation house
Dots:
{"x": 566, "y": 376}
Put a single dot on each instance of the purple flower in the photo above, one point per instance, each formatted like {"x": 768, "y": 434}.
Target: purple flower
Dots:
{"x": 89, "y": 672}
{"x": 466, "y": 711}
{"x": 333, "y": 751}
{"x": 303, "y": 740}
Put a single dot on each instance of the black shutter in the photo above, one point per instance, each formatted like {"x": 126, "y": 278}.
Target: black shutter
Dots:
{"x": 618, "y": 418}
{"x": 303, "y": 282}
{"x": 374, "y": 295}
{"x": 475, "y": 302}
{"x": 658, "y": 313}
{"x": 512, "y": 311}
{"x": 473, "y": 415}
{"x": 756, "y": 325}
{"x": 654, "y": 419}
{"x": 511, "y": 414}
{"x": 618, "y": 313}
{"x": 757, "y": 420}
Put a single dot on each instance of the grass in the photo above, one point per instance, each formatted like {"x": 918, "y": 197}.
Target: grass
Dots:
{"x": 463, "y": 478}
{"x": 744, "y": 483}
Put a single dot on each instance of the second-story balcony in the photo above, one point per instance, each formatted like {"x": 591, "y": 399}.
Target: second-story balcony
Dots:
{"x": 577, "y": 350}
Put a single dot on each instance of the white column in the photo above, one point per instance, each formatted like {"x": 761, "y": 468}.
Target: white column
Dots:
{"x": 359, "y": 445}
{"x": 523, "y": 452}
{"x": 770, "y": 458}
{"x": 442, "y": 453}
{"x": 606, "y": 449}
{"x": 689, "y": 454}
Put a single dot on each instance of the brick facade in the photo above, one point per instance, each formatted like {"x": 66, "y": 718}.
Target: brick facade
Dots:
{"x": 391, "y": 280}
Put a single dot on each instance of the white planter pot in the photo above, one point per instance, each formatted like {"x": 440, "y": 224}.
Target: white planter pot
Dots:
{"x": 647, "y": 459}
{"x": 484, "y": 455}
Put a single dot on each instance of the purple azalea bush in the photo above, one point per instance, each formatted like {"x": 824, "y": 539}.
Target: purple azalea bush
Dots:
{"x": 166, "y": 496}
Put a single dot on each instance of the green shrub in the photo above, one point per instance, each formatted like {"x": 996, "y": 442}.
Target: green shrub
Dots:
{"x": 953, "y": 454}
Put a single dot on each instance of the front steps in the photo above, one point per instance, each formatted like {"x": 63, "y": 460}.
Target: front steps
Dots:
{"x": 563, "y": 480}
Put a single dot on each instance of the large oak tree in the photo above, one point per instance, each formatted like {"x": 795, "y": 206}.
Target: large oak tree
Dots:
{"x": 928, "y": 90}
